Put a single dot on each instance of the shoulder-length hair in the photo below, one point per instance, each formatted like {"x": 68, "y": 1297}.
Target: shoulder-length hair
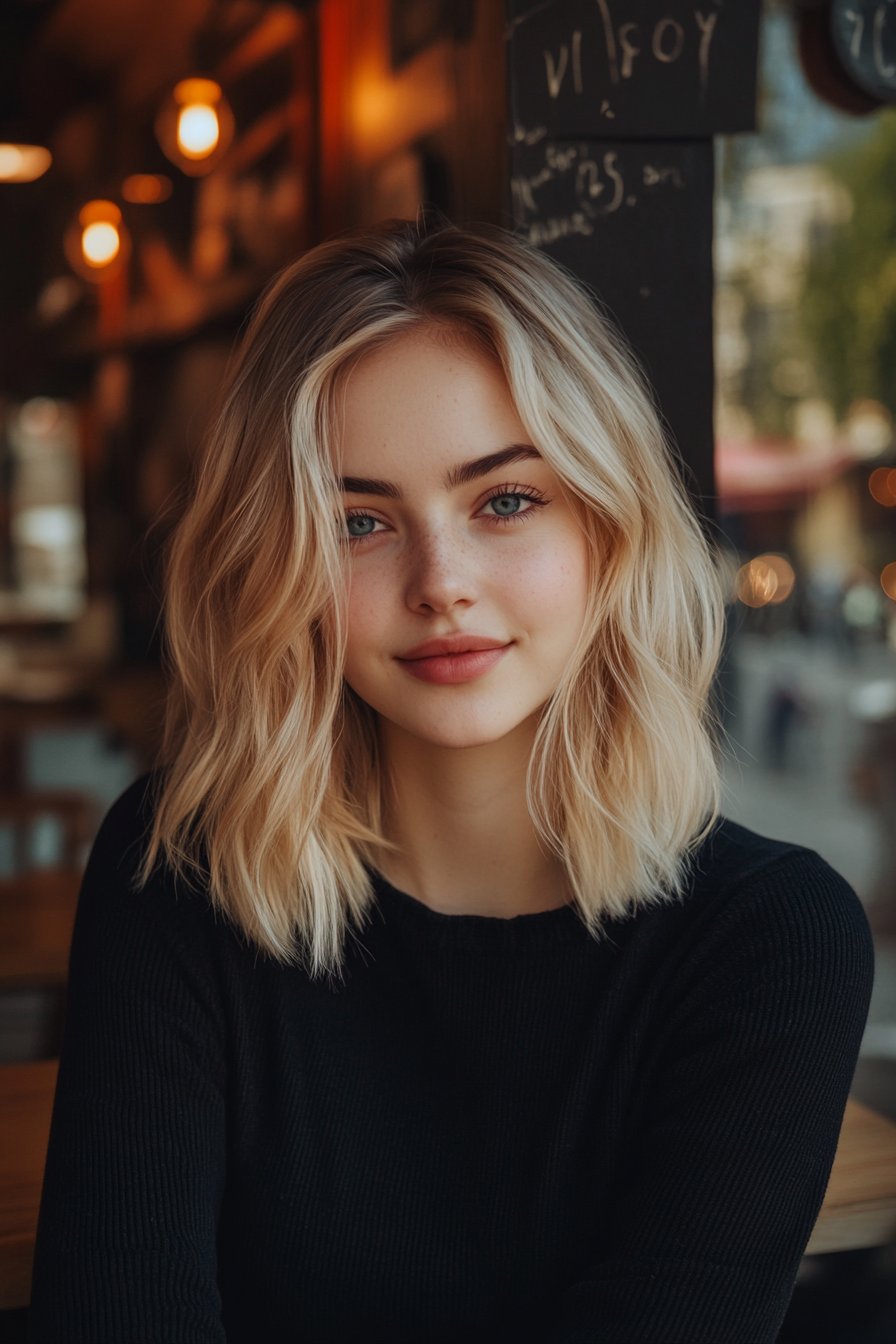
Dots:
{"x": 273, "y": 792}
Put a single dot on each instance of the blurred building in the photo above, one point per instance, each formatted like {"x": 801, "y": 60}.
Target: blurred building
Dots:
{"x": 766, "y": 234}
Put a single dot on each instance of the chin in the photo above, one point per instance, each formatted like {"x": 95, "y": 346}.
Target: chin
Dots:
{"x": 460, "y": 733}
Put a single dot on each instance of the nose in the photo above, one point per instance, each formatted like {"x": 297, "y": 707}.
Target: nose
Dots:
{"x": 441, "y": 573}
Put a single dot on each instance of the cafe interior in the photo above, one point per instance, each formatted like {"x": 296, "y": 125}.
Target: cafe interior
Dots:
{"x": 160, "y": 162}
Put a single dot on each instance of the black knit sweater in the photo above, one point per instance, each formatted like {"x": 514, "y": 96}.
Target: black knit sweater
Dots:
{"x": 491, "y": 1130}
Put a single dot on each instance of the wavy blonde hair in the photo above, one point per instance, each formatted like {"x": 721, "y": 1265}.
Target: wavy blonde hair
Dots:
{"x": 272, "y": 792}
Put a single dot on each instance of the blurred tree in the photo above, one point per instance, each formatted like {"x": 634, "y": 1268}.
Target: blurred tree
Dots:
{"x": 848, "y": 308}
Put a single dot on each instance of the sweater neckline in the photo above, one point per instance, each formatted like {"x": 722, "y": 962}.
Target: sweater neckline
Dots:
{"x": 476, "y": 933}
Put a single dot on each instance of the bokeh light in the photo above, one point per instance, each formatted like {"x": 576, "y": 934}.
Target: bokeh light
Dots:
{"x": 869, "y": 429}
{"x": 39, "y": 416}
{"x": 195, "y": 125}
{"x": 881, "y": 483}
{"x": 197, "y": 130}
{"x": 146, "y": 188}
{"x": 766, "y": 580}
{"x": 888, "y": 580}
{"x": 97, "y": 244}
{"x": 23, "y": 163}
{"x": 100, "y": 244}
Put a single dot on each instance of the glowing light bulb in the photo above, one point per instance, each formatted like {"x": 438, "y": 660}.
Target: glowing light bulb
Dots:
{"x": 197, "y": 130}
{"x": 100, "y": 243}
{"x": 195, "y": 125}
{"x": 97, "y": 243}
{"x": 11, "y": 158}
{"x": 23, "y": 163}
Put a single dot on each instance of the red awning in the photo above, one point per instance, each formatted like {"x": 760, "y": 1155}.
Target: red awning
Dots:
{"x": 774, "y": 474}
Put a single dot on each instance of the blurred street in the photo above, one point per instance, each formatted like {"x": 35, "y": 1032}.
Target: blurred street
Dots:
{"x": 799, "y": 782}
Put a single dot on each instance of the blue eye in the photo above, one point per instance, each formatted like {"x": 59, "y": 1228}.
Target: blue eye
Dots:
{"x": 505, "y": 505}
{"x": 360, "y": 525}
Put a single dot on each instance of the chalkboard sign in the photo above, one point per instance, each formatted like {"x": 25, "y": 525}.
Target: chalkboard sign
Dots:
{"x": 864, "y": 33}
{"x": 633, "y": 219}
{"x": 632, "y": 69}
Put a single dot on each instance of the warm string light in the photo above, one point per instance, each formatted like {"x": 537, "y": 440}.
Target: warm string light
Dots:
{"x": 23, "y": 163}
{"x": 146, "y": 188}
{"x": 100, "y": 243}
{"x": 197, "y": 130}
{"x": 100, "y": 233}
{"x": 195, "y": 125}
{"x": 97, "y": 244}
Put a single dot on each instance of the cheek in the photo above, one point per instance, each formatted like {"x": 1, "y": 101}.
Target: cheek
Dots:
{"x": 552, "y": 582}
{"x": 370, "y": 601}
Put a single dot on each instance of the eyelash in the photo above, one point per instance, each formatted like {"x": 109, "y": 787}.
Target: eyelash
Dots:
{"x": 535, "y": 497}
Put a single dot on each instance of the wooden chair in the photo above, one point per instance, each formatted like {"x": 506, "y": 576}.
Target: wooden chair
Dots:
{"x": 37, "y": 912}
{"x": 37, "y": 905}
{"x": 859, "y": 1208}
{"x": 75, "y": 813}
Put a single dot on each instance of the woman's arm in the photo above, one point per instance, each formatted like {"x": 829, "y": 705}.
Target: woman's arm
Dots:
{"x": 744, "y": 1111}
{"x": 135, "y": 1169}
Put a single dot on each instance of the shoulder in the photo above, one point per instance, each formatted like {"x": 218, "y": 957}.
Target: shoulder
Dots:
{"x": 121, "y": 843}
{"x": 122, "y": 837}
{"x": 766, "y": 935}
{"x": 114, "y": 893}
{"x": 157, "y": 945}
{"x": 778, "y": 905}
{"x": 736, "y": 866}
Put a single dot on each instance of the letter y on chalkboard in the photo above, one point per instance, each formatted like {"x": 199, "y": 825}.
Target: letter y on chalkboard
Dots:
{"x": 706, "y": 25}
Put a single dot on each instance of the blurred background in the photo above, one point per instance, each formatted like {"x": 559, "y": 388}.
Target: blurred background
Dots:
{"x": 160, "y": 160}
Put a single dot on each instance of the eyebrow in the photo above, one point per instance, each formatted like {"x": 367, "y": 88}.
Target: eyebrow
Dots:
{"x": 459, "y": 475}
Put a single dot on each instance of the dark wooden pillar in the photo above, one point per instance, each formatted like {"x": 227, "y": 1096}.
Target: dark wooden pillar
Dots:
{"x": 612, "y": 106}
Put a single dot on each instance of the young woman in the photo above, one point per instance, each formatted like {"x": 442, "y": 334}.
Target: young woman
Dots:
{"x": 422, "y": 997}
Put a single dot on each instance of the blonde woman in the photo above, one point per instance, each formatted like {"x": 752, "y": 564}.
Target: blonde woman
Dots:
{"x": 423, "y": 997}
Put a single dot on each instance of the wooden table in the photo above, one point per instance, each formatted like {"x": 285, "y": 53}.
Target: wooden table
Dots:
{"x": 26, "y": 1101}
{"x": 859, "y": 1208}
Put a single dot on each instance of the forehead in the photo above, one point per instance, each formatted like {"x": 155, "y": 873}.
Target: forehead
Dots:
{"x": 425, "y": 398}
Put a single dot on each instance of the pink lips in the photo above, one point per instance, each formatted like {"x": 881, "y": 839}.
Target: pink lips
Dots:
{"x": 453, "y": 659}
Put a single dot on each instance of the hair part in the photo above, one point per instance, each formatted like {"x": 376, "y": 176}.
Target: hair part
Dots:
{"x": 273, "y": 790}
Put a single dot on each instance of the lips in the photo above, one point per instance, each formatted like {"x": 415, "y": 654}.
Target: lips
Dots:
{"x": 450, "y": 645}
{"x": 454, "y": 659}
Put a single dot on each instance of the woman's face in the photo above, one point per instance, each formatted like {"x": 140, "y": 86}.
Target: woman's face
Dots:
{"x": 469, "y": 570}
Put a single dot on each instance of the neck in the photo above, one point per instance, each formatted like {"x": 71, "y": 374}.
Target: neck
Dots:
{"x": 466, "y": 842}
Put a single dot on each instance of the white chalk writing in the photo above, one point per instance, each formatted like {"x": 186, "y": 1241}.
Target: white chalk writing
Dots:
{"x": 655, "y": 177}
{"x": 556, "y": 72}
{"x": 707, "y": 24}
{"x": 867, "y": 35}
{"x": 666, "y": 42}
{"x": 549, "y": 230}
{"x": 598, "y": 188}
{"x": 668, "y": 54}
{"x": 629, "y": 50}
